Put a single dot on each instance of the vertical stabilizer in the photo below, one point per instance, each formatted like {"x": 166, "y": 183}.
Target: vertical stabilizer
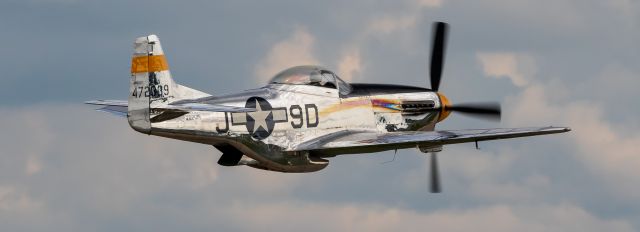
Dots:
{"x": 151, "y": 83}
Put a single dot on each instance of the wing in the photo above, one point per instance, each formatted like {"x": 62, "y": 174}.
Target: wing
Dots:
{"x": 395, "y": 140}
{"x": 119, "y": 107}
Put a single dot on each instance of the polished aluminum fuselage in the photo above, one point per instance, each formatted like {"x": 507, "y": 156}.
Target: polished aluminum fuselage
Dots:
{"x": 291, "y": 115}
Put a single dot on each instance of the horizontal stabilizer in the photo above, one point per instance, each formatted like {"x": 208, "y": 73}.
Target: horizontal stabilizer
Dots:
{"x": 119, "y": 107}
{"x": 107, "y": 103}
{"x": 120, "y": 111}
{"x": 115, "y": 107}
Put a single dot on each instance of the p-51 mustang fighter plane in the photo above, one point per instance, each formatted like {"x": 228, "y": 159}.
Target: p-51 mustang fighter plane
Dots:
{"x": 304, "y": 115}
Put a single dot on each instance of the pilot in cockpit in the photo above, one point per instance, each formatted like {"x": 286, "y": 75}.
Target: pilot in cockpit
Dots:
{"x": 322, "y": 79}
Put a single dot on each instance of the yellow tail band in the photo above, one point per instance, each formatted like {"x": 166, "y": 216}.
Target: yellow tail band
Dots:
{"x": 142, "y": 64}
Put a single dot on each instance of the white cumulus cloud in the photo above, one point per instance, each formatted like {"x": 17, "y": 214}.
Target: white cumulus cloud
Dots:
{"x": 518, "y": 68}
{"x": 297, "y": 49}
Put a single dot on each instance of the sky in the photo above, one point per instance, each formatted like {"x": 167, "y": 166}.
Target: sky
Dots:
{"x": 65, "y": 167}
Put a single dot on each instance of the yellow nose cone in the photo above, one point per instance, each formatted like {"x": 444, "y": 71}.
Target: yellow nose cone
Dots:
{"x": 444, "y": 103}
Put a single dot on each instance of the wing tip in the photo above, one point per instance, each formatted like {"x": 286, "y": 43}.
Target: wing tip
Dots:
{"x": 93, "y": 102}
{"x": 561, "y": 129}
{"x": 556, "y": 129}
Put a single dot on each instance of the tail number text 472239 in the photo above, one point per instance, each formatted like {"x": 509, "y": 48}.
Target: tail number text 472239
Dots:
{"x": 154, "y": 91}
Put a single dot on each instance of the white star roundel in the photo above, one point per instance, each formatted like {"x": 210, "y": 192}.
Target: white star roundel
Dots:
{"x": 261, "y": 122}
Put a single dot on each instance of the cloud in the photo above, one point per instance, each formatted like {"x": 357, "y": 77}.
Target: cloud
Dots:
{"x": 298, "y": 48}
{"x": 489, "y": 175}
{"x": 608, "y": 148}
{"x": 350, "y": 66}
{"x": 34, "y": 165}
{"x": 429, "y": 3}
{"x": 406, "y": 20}
{"x": 614, "y": 83}
{"x": 532, "y": 106}
{"x": 13, "y": 201}
{"x": 295, "y": 50}
{"x": 97, "y": 165}
{"x": 564, "y": 14}
{"x": 518, "y": 68}
{"x": 84, "y": 162}
{"x": 563, "y": 217}
{"x": 626, "y": 7}
{"x": 399, "y": 26}
{"x": 50, "y": 2}
{"x": 388, "y": 24}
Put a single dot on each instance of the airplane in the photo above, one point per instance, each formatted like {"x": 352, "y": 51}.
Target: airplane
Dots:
{"x": 303, "y": 116}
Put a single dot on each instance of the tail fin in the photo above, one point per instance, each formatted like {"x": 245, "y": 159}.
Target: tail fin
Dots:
{"x": 151, "y": 83}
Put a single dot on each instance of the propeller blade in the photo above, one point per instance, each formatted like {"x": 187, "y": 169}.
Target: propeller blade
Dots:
{"x": 439, "y": 44}
{"x": 489, "y": 110}
{"x": 435, "y": 175}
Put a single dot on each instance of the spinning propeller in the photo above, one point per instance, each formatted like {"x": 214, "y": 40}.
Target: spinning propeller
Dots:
{"x": 487, "y": 110}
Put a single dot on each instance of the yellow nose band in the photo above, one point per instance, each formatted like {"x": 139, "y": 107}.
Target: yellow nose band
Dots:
{"x": 444, "y": 103}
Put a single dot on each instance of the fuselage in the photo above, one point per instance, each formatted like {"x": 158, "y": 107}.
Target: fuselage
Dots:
{"x": 289, "y": 115}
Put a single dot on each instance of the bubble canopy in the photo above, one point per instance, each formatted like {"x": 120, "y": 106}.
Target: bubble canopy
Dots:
{"x": 311, "y": 75}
